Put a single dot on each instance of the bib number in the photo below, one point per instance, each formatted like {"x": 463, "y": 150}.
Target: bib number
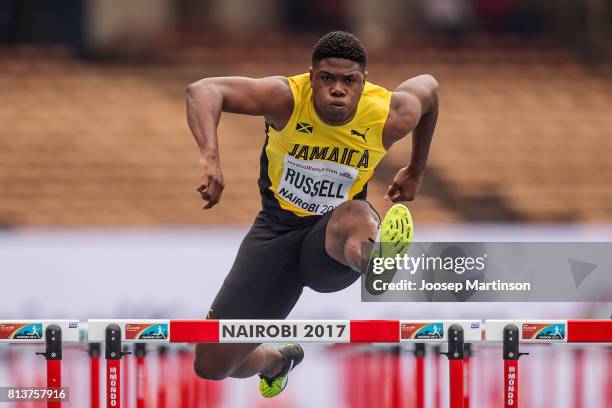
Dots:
{"x": 315, "y": 186}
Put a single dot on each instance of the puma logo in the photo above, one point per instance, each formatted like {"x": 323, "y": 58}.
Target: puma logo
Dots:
{"x": 363, "y": 135}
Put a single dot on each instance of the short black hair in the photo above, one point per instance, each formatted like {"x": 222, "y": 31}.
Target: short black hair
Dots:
{"x": 340, "y": 44}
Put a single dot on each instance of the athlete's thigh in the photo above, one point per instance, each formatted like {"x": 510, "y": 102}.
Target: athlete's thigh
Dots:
{"x": 320, "y": 271}
{"x": 263, "y": 282}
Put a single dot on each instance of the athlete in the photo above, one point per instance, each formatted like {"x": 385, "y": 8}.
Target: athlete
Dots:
{"x": 326, "y": 131}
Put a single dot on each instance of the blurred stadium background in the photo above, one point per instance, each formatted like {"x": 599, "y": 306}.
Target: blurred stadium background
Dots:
{"x": 98, "y": 211}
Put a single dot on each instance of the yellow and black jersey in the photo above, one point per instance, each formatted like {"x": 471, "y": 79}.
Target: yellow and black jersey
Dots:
{"x": 309, "y": 167}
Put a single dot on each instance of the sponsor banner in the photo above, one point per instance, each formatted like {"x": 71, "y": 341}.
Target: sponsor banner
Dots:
{"x": 488, "y": 272}
{"x": 432, "y": 331}
{"x": 33, "y": 331}
{"x": 511, "y": 383}
{"x": 544, "y": 331}
{"x": 21, "y": 331}
{"x": 530, "y": 331}
{"x": 146, "y": 331}
{"x": 315, "y": 186}
{"x": 422, "y": 331}
{"x": 244, "y": 331}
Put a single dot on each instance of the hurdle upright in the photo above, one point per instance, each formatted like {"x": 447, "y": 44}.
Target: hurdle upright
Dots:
{"x": 52, "y": 333}
{"x": 514, "y": 332}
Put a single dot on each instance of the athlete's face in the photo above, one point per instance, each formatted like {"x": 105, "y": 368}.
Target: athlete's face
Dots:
{"x": 337, "y": 84}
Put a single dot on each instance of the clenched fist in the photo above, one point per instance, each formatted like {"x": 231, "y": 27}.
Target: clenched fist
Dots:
{"x": 211, "y": 184}
{"x": 405, "y": 185}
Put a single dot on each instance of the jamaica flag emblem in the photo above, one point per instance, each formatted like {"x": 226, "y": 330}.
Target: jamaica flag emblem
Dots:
{"x": 304, "y": 127}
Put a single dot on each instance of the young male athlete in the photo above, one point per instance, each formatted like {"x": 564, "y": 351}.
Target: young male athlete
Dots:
{"x": 326, "y": 131}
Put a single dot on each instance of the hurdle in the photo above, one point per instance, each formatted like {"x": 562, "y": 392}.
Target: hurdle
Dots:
{"x": 419, "y": 369}
{"x": 437, "y": 403}
{"x": 117, "y": 332}
{"x": 94, "y": 374}
{"x": 608, "y": 394}
{"x": 456, "y": 335}
{"x": 514, "y": 332}
{"x": 52, "y": 333}
{"x": 140, "y": 351}
{"x": 467, "y": 374}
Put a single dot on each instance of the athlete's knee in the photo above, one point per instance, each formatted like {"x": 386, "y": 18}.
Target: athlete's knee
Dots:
{"x": 355, "y": 223}
{"x": 355, "y": 217}
{"x": 209, "y": 365}
{"x": 355, "y": 207}
{"x": 210, "y": 371}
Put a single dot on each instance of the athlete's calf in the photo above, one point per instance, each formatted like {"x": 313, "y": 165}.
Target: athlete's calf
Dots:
{"x": 219, "y": 361}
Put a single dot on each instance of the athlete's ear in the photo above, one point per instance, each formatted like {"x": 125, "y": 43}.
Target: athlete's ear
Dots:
{"x": 310, "y": 71}
{"x": 365, "y": 75}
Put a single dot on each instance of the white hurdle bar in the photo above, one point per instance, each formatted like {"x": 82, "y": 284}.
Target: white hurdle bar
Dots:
{"x": 310, "y": 331}
{"x": 33, "y": 331}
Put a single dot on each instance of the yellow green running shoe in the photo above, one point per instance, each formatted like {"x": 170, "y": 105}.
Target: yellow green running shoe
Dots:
{"x": 293, "y": 354}
{"x": 394, "y": 237}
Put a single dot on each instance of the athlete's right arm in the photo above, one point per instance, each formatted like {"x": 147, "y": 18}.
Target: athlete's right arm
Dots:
{"x": 269, "y": 97}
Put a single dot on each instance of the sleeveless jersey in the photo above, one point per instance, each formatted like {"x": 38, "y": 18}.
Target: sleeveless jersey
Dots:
{"x": 309, "y": 167}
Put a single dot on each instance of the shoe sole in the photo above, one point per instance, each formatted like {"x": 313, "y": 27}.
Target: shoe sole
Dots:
{"x": 397, "y": 228}
{"x": 395, "y": 235}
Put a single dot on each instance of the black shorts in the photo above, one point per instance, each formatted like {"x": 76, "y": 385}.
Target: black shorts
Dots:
{"x": 274, "y": 263}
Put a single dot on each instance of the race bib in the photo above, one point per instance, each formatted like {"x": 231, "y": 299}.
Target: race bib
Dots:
{"x": 315, "y": 186}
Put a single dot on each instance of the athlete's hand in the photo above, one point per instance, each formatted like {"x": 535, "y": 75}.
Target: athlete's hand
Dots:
{"x": 405, "y": 185}
{"x": 211, "y": 184}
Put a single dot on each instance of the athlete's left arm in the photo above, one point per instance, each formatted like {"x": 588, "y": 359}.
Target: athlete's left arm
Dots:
{"x": 414, "y": 108}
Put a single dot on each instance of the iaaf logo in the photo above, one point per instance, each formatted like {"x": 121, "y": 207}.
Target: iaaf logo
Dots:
{"x": 510, "y": 387}
{"x": 346, "y": 174}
